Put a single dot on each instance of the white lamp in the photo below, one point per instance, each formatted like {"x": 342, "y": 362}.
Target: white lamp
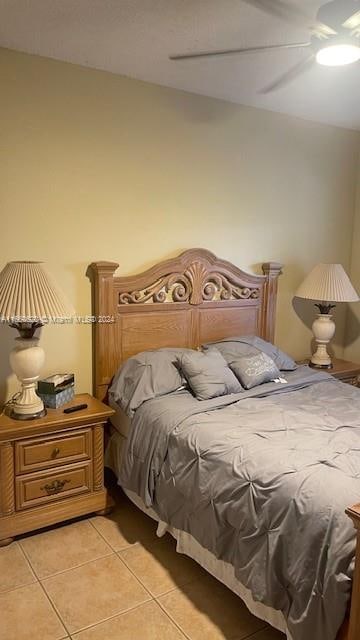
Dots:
{"x": 29, "y": 299}
{"x": 326, "y": 283}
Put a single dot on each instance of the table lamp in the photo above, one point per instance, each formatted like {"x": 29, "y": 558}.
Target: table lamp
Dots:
{"x": 29, "y": 298}
{"x": 328, "y": 284}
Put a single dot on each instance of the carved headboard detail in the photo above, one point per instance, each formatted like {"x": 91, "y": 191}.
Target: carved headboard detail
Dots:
{"x": 184, "y": 302}
{"x": 195, "y": 285}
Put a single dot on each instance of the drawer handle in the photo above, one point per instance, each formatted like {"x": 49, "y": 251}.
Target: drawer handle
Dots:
{"x": 55, "y": 452}
{"x": 54, "y": 487}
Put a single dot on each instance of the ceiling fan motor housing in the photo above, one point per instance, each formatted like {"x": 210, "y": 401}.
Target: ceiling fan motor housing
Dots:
{"x": 336, "y": 12}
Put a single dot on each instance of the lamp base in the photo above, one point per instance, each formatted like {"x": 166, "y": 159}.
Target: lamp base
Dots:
{"x": 26, "y": 360}
{"x": 26, "y": 416}
{"x": 313, "y": 365}
{"x": 323, "y": 329}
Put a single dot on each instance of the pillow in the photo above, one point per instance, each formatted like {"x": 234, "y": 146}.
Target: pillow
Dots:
{"x": 208, "y": 374}
{"x": 145, "y": 376}
{"x": 254, "y": 370}
{"x": 235, "y": 348}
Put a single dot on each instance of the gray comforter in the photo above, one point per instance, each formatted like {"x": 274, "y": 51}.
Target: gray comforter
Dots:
{"x": 261, "y": 479}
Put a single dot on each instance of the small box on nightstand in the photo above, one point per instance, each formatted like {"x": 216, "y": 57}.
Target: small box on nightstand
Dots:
{"x": 56, "y": 390}
{"x": 56, "y": 400}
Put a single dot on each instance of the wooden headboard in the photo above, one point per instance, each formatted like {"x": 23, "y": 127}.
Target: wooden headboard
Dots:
{"x": 180, "y": 302}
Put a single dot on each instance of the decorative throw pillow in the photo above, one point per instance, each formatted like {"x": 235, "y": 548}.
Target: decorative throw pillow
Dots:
{"x": 234, "y": 348}
{"x": 254, "y": 370}
{"x": 208, "y": 374}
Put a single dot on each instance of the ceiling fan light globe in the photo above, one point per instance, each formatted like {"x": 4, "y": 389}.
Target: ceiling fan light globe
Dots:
{"x": 338, "y": 55}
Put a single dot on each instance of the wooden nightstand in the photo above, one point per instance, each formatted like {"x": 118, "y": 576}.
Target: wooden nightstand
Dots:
{"x": 348, "y": 372}
{"x": 51, "y": 469}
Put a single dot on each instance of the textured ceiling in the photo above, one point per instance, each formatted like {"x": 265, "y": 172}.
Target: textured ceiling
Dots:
{"x": 135, "y": 37}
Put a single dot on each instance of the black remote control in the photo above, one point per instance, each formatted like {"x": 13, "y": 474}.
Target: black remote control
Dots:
{"x": 77, "y": 407}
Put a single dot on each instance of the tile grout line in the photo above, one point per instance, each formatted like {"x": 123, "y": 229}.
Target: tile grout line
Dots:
{"x": 115, "y": 615}
{"x": 179, "y": 586}
{"x": 118, "y": 552}
{"x": 124, "y": 563}
{"x": 55, "y": 609}
{"x": 27, "y": 560}
{"x": 142, "y": 583}
{"x": 156, "y": 598}
{"x": 20, "y": 586}
{"x": 135, "y": 576}
{"x": 57, "y": 613}
{"x": 76, "y": 566}
{"x": 171, "y": 618}
{"x": 109, "y": 543}
{"x": 24, "y": 584}
{"x": 112, "y": 617}
{"x": 153, "y": 597}
{"x": 112, "y": 551}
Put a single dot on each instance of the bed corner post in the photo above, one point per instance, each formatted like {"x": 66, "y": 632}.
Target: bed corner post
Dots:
{"x": 354, "y": 626}
{"x": 101, "y": 275}
{"x": 272, "y": 271}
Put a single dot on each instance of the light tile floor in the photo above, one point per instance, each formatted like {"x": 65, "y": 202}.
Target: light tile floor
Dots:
{"x": 111, "y": 578}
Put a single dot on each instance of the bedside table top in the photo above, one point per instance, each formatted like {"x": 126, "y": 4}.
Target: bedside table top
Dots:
{"x": 354, "y": 513}
{"x": 344, "y": 366}
{"x": 56, "y": 419}
{"x": 340, "y": 367}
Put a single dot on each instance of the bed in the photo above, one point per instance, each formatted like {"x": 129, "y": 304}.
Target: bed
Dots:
{"x": 186, "y": 302}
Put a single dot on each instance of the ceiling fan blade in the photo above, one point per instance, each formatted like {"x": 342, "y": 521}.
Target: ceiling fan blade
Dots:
{"x": 294, "y": 15}
{"x": 353, "y": 22}
{"x": 290, "y": 75}
{"x": 226, "y": 52}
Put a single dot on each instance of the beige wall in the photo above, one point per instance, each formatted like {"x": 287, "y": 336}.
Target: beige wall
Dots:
{"x": 96, "y": 166}
{"x": 352, "y": 335}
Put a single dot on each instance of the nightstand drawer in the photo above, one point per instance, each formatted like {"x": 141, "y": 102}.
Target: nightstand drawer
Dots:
{"x": 39, "y": 488}
{"x": 42, "y": 453}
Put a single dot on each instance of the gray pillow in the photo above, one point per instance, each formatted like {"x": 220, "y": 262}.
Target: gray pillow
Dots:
{"x": 255, "y": 370}
{"x": 235, "y": 348}
{"x": 208, "y": 374}
{"x": 145, "y": 376}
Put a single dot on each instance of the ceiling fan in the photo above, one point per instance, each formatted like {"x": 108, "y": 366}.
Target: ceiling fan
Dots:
{"x": 334, "y": 36}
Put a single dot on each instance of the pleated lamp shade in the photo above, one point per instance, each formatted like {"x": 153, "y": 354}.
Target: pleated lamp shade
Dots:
{"x": 328, "y": 283}
{"x": 27, "y": 291}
